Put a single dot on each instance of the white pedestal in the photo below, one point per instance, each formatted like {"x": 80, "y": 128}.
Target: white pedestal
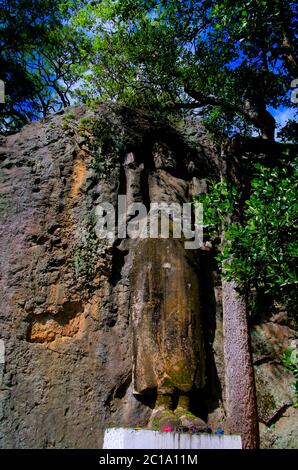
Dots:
{"x": 122, "y": 438}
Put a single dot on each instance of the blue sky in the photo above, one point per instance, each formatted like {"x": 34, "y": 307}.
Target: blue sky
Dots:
{"x": 283, "y": 114}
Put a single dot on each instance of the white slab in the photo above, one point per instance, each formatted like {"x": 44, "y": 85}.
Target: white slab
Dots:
{"x": 123, "y": 438}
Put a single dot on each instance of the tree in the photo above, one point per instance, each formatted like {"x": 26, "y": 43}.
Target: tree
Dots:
{"x": 259, "y": 255}
{"x": 35, "y": 65}
{"x": 230, "y": 60}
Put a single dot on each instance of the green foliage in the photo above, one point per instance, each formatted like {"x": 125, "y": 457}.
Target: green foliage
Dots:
{"x": 107, "y": 144}
{"x": 38, "y": 54}
{"x": 25, "y": 162}
{"x": 85, "y": 256}
{"x": 290, "y": 361}
{"x": 289, "y": 133}
{"x": 229, "y": 59}
{"x": 87, "y": 251}
{"x": 69, "y": 116}
{"x": 67, "y": 120}
{"x": 261, "y": 234}
{"x": 86, "y": 123}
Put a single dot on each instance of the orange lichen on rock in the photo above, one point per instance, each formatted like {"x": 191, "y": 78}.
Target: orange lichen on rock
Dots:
{"x": 79, "y": 175}
{"x": 67, "y": 324}
{"x": 39, "y": 336}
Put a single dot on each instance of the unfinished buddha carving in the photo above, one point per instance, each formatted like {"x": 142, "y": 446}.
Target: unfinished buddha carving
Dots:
{"x": 168, "y": 348}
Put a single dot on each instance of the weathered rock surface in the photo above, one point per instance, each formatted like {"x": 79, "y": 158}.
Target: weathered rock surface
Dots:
{"x": 278, "y": 418}
{"x": 65, "y": 295}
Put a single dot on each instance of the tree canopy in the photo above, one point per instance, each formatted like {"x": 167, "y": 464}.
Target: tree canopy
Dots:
{"x": 38, "y": 53}
{"x": 229, "y": 61}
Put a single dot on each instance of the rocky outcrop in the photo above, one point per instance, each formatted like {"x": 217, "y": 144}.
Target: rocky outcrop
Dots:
{"x": 65, "y": 315}
{"x": 69, "y": 300}
{"x": 278, "y": 418}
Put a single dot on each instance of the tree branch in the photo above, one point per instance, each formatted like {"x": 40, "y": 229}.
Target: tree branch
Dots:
{"x": 256, "y": 114}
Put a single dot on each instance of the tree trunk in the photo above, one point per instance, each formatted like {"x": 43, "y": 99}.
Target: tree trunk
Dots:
{"x": 239, "y": 374}
{"x": 260, "y": 117}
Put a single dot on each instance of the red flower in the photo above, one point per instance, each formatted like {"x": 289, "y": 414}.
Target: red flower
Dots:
{"x": 167, "y": 429}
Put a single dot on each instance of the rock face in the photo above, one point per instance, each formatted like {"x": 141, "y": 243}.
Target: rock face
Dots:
{"x": 70, "y": 316}
{"x": 278, "y": 419}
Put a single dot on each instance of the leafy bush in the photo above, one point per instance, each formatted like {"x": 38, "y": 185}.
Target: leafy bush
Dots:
{"x": 290, "y": 361}
{"x": 261, "y": 233}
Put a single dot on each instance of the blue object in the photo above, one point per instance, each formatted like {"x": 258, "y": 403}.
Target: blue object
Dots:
{"x": 219, "y": 432}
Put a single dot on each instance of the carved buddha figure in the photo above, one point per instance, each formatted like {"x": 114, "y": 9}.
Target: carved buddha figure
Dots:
{"x": 168, "y": 347}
